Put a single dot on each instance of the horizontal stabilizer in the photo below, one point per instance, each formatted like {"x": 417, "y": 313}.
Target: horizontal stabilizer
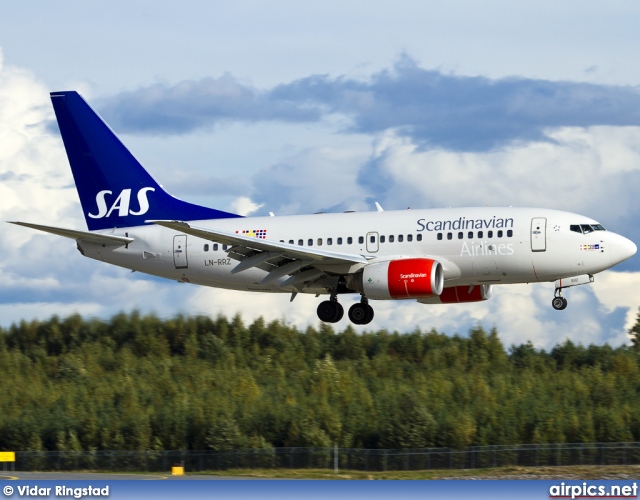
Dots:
{"x": 107, "y": 239}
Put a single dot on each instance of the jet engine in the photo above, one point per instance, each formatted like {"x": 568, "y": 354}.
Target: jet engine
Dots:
{"x": 460, "y": 294}
{"x": 399, "y": 279}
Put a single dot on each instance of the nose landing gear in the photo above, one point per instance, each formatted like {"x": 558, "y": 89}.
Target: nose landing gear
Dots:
{"x": 559, "y": 303}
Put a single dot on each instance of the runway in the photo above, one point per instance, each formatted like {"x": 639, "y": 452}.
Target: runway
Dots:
{"x": 110, "y": 476}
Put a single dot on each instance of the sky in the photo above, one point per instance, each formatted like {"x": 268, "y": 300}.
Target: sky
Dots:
{"x": 293, "y": 108}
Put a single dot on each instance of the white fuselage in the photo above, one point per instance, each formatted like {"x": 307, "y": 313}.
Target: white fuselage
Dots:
{"x": 474, "y": 245}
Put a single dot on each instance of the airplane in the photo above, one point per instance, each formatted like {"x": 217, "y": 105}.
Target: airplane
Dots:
{"x": 434, "y": 256}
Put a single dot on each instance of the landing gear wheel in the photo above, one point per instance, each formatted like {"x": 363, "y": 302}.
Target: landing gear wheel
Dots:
{"x": 361, "y": 314}
{"x": 340, "y": 312}
{"x": 330, "y": 311}
{"x": 559, "y": 303}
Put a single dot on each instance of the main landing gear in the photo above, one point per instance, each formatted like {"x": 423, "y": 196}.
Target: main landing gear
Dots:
{"x": 331, "y": 311}
{"x": 362, "y": 313}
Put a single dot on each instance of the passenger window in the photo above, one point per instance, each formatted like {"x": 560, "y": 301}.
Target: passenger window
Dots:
{"x": 419, "y": 237}
{"x": 500, "y": 234}
{"x": 470, "y": 235}
{"x": 480, "y": 233}
{"x": 360, "y": 239}
{"x": 391, "y": 238}
{"x": 372, "y": 239}
{"x": 439, "y": 236}
{"x": 409, "y": 237}
{"x": 349, "y": 240}
{"x": 400, "y": 238}
{"x": 449, "y": 236}
{"x": 319, "y": 242}
{"x": 339, "y": 241}
{"x": 329, "y": 241}
{"x": 215, "y": 247}
{"x": 489, "y": 234}
{"x": 224, "y": 247}
{"x": 290, "y": 242}
{"x": 460, "y": 235}
{"x": 206, "y": 247}
{"x": 382, "y": 239}
{"x": 310, "y": 242}
{"x": 300, "y": 242}
{"x": 509, "y": 233}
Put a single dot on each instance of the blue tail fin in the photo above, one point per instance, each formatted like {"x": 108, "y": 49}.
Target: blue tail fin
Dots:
{"x": 115, "y": 190}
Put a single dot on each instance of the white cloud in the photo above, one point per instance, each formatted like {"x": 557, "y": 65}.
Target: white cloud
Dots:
{"x": 579, "y": 170}
{"x": 28, "y": 311}
{"x": 314, "y": 179}
{"x": 44, "y": 275}
{"x": 619, "y": 290}
{"x": 244, "y": 206}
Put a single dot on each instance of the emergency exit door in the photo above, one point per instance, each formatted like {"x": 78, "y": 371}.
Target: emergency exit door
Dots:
{"x": 180, "y": 251}
{"x": 372, "y": 242}
{"x": 538, "y": 234}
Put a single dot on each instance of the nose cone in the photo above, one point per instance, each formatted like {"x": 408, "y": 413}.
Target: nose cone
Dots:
{"x": 621, "y": 249}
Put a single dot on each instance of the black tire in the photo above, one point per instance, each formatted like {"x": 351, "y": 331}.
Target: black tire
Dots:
{"x": 330, "y": 312}
{"x": 358, "y": 314}
{"x": 559, "y": 303}
{"x": 340, "y": 312}
{"x": 370, "y": 315}
{"x": 361, "y": 314}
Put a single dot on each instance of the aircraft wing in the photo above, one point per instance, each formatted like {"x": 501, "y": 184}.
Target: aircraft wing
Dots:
{"x": 108, "y": 239}
{"x": 278, "y": 258}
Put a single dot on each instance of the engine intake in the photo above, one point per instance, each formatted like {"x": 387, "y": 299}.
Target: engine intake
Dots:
{"x": 399, "y": 279}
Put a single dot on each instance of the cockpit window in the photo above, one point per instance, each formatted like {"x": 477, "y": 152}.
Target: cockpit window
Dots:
{"x": 586, "y": 228}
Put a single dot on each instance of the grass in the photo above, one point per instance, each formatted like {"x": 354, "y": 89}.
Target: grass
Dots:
{"x": 561, "y": 472}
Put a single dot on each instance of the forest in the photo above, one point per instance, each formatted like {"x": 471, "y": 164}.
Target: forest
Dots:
{"x": 137, "y": 382}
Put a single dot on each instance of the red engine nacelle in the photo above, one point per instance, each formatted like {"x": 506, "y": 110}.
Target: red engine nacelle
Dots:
{"x": 400, "y": 279}
{"x": 460, "y": 294}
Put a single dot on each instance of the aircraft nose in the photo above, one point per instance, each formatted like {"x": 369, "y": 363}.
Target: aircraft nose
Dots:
{"x": 621, "y": 249}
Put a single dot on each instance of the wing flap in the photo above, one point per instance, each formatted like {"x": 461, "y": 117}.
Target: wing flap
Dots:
{"x": 284, "y": 249}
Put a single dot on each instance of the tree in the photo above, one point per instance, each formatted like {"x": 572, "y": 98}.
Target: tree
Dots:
{"x": 634, "y": 332}
{"x": 410, "y": 424}
{"x": 224, "y": 435}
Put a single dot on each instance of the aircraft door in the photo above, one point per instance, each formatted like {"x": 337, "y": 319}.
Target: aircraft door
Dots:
{"x": 538, "y": 234}
{"x": 373, "y": 242}
{"x": 180, "y": 251}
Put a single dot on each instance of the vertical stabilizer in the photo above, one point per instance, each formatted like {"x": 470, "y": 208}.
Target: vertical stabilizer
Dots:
{"x": 115, "y": 190}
